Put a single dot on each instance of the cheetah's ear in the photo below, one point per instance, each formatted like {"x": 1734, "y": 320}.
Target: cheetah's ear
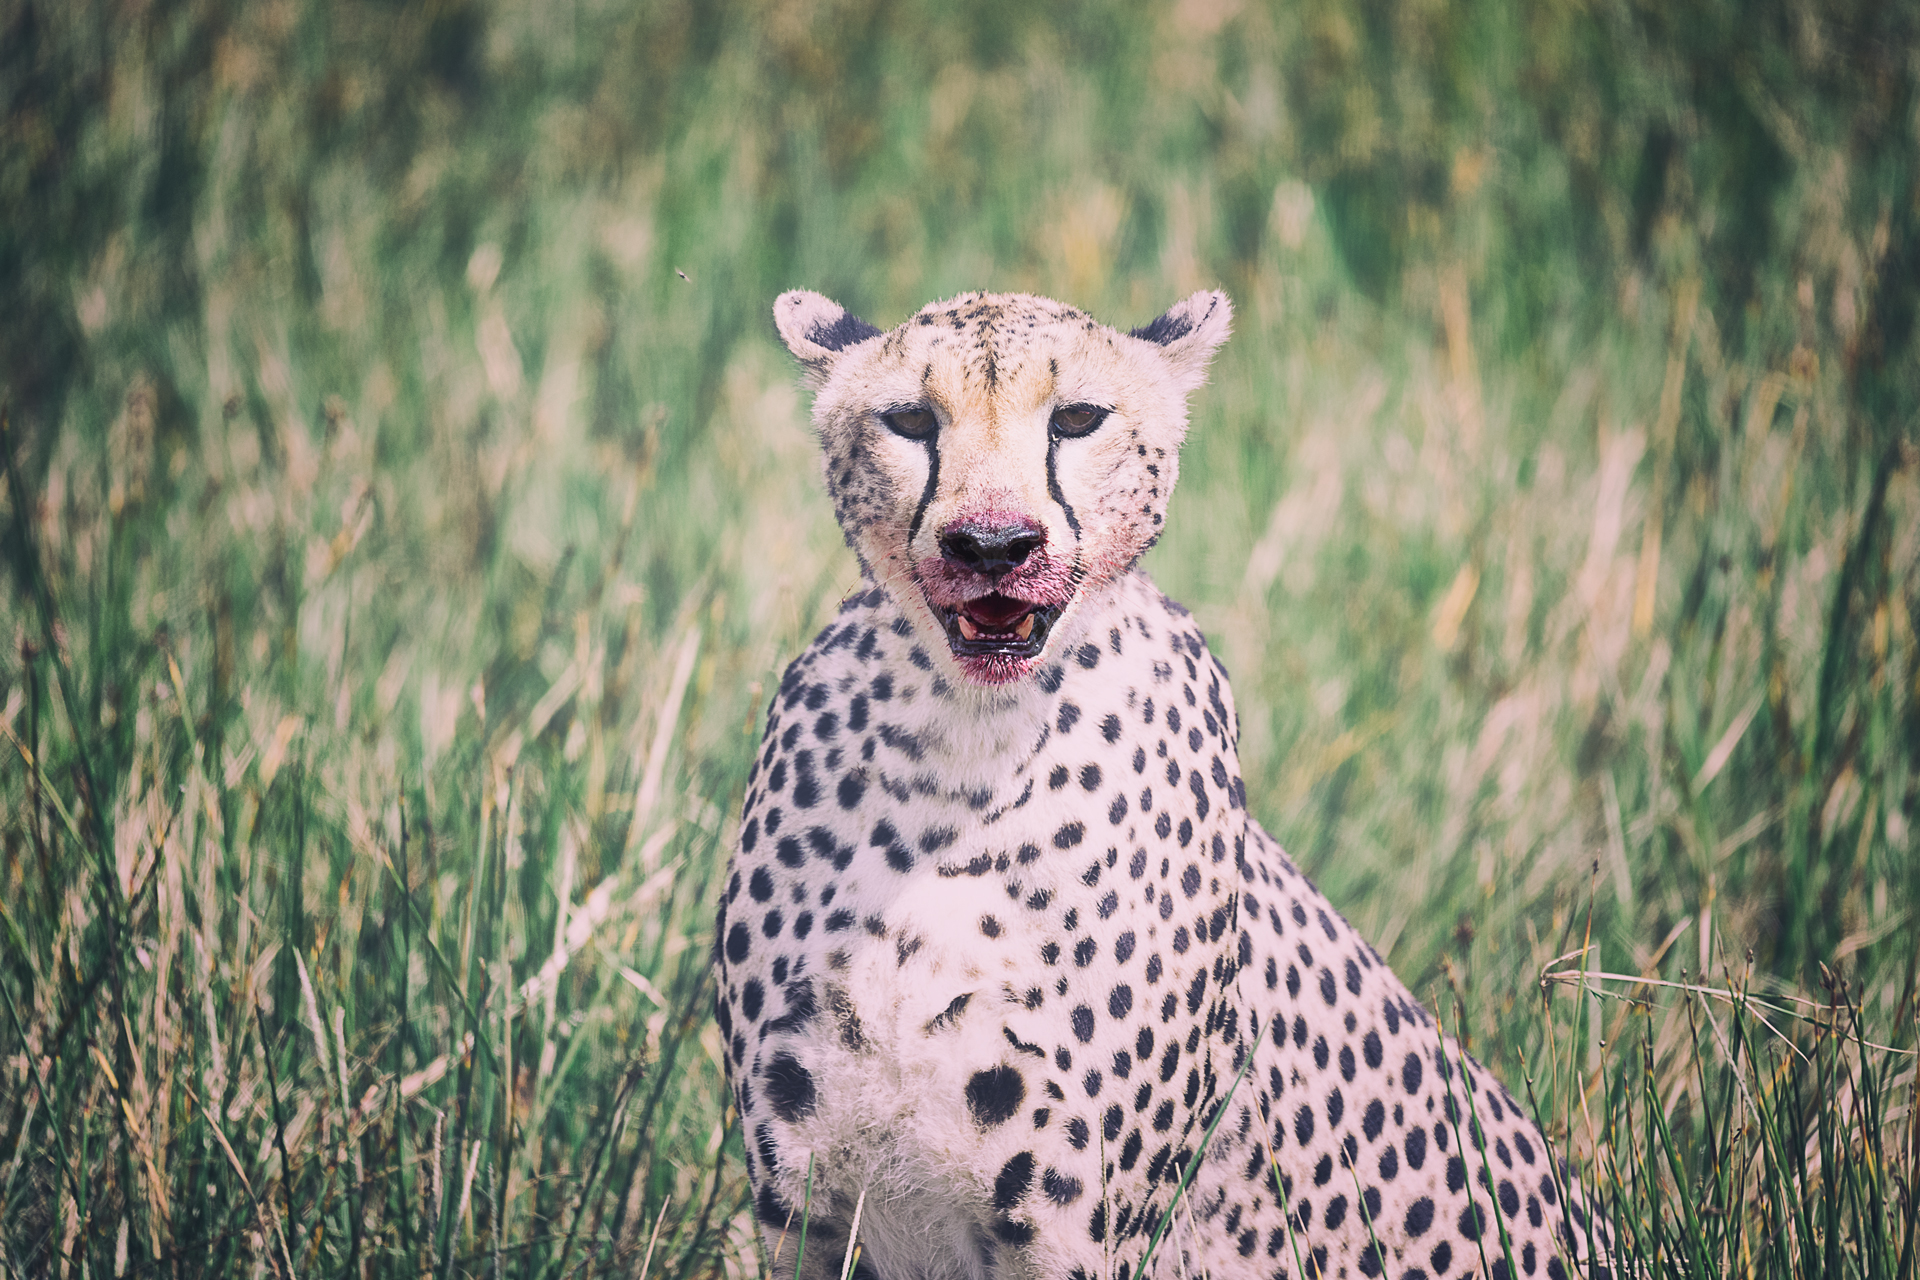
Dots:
{"x": 817, "y": 330}
{"x": 1189, "y": 332}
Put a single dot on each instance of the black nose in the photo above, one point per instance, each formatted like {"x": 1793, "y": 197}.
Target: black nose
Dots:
{"x": 991, "y": 548}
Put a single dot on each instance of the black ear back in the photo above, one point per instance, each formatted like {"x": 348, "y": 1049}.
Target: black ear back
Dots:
{"x": 1165, "y": 328}
{"x": 842, "y": 333}
{"x": 1188, "y": 334}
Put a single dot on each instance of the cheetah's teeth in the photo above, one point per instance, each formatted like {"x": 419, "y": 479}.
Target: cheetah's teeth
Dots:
{"x": 970, "y": 630}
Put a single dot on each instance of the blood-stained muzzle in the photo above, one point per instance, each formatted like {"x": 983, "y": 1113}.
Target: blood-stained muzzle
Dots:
{"x": 997, "y": 592}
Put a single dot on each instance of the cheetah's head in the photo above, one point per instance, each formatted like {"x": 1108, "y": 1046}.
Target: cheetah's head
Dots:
{"x": 999, "y": 458}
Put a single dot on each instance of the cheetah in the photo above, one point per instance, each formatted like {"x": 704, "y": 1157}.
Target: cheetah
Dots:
{"x": 1010, "y": 982}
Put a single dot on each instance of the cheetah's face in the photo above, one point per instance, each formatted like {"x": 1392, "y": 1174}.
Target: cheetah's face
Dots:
{"x": 999, "y": 458}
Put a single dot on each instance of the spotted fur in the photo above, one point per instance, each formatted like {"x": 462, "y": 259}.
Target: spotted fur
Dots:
{"x": 1000, "y": 933}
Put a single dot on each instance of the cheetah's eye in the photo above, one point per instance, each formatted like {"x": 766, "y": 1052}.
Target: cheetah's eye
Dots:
{"x": 916, "y": 423}
{"x": 1075, "y": 420}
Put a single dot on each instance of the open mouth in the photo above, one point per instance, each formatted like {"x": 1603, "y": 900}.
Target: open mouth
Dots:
{"x": 998, "y": 625}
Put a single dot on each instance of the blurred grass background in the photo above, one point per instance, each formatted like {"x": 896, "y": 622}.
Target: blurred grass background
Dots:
{"x": 408, "y": 508}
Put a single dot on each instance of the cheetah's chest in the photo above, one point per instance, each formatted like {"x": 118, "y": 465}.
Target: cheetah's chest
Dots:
{"x": 925, "y": 972}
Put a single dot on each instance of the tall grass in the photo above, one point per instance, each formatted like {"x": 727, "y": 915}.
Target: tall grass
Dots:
{"x": 407, "y": 511}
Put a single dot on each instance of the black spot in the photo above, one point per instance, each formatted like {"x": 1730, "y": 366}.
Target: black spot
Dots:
{"x": 1441, "y": 1258}
{"x": 1015, "y": 1177}
{"x": 1083, "y": 952}
{"x": 1068, "y": 717}
{"x": 738, "y": 940}
{"x": 770, "y": 1209}
{"x": 761, "y": 885}
{"x": 1347, "y": 1065}
{"x": 1303, "y": 1125}
{"x": 1082, "y": 1019}
{"x": 1389, "y": 1164}
{"x": 1509, "y": 1199}
{"x": 1120, "y": 1001}
{"x": 1063, "y": 1189}
{"x": 801, "y": 1005}
{"x": 1058, "y": 778}
{"x": 1410, "y": 1073}
{"x": 994, "y": 1095}
{"x": 1472, "y": 1221}
{"x": 1374, "y": 1119}
{"x": 1327, "y": 991}
{"x": 1130, "y": 1150}
{"x": 1078, "y": 1135}
{"x": 1456, "y": 1174}
{"x": 1416, "y": 1147}
{"x": 1069, "y": 835}
{"x": 1335, "y": 1213}
{"x": 752, "y": 996}
{"x": 1336, "y": 1107}
{"x": 853, "y": 785}
{"x": 1110, "y": 729}
{"x": 1353, "y": 978}
{"x": 789, "y": 1087}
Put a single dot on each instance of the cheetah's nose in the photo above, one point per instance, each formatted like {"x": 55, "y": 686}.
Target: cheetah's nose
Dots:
{"x": 993, "y": 547}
